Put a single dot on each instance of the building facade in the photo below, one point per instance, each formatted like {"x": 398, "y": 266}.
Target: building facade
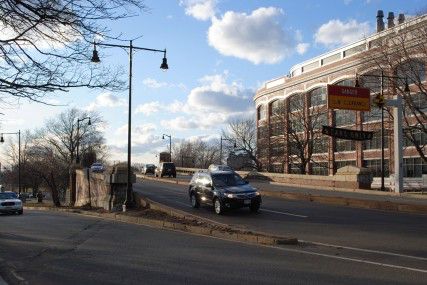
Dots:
{"x": 292, "y": 109}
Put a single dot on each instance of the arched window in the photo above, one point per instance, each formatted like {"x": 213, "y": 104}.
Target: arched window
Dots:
{"x": 296, "y": 102}
{"x": 261, "y": 114}
{"x": 318, "y": 96}
{"x": 277, "y": 108}
{"x": 413, "y": 70}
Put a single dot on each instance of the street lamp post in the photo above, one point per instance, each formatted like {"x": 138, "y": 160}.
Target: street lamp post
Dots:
{"x": 170, "y": 145}
{"x": 95, "y": 58}
{"x": 220, "y": 147}
{"x": 19, "y": 155}
{"x": 78, "y": 138}
{"x": 380, "y": 102}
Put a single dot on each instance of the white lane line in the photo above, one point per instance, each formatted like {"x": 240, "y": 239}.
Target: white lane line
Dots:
{"x": 366, "y": 250}
{"x": 283, "y": 213}
{"x": 352, "y": 259}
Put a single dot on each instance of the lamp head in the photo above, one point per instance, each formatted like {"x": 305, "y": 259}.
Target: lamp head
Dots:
{"x": 163, "y": 137}
{"x": 89, "y": 123}
{"x": 95, "y": 57}
{"x": 164, "y": 64}
{"x": 235, "y": 145}
{"x": 1, "y": 139}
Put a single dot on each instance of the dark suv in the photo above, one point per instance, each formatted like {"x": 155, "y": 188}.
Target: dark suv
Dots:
{"x": 165, "y": 168}
{"x": 224, "y": 190}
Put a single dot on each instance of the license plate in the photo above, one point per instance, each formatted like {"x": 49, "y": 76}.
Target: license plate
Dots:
{"x": 246, "y": 202}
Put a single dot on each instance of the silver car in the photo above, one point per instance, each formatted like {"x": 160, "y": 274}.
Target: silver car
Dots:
{"x": 9, "y": 203}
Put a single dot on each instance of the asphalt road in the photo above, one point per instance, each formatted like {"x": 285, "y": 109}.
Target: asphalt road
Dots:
{"x": 61, "y": 248}
{"x": 379, "y": 236}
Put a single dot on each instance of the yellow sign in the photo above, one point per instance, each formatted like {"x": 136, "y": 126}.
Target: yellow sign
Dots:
{"x": 349, "y": 98}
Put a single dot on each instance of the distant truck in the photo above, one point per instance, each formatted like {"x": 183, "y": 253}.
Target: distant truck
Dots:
{"x": 164, "y": 157}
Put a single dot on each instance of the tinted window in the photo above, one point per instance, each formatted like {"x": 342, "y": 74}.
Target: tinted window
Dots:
{"x": 227, "y": 179}
{"x": 8, "y": 196}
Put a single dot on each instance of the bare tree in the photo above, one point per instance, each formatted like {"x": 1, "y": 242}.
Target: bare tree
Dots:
{"x": 403, "y": 54}
{"x": 61, "y": 134}
{"x": 243, "y": 132}
{"x": 45, "y": 45}
{"x": 198, "y": 154}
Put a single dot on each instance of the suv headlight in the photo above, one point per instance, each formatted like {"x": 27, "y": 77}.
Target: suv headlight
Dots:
{"x": 257, "y": 193}
{"x": 230, "y": 195}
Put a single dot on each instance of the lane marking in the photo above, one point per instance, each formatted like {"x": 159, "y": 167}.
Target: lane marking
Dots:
{"x": 283, "y": 213}
{"x": 367, "y": 250}
{"x": 353, "y": 259}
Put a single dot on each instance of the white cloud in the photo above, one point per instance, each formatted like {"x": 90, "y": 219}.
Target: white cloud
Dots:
{"x": 148, "y": 108}
{"x": 200, "y": 9}
{"x": 106, "y": 100}
{"x": 153, "y": 83}
{"x": 302, "y": 48}
{"x": 257, "y": 37}
{"x": 212, "y": 104}
{"x": 336, "y": 32}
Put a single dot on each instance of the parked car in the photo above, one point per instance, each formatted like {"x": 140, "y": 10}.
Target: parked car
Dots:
{"x": 9, "y": 203}
{"x": 165, "y": 168}
{"x": 97, "y": 167}
{"x": 148, "y": 168}
{"x": 224, "y": 190}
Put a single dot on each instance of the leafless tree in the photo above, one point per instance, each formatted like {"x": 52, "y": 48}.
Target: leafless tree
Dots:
{"x": 197, "y": 154}
{"x": 45, "y": 45}
{"x": 243, "y": 133}
{"x": 403, "y": 54}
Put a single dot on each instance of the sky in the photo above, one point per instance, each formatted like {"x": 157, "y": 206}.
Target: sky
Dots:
{"x": 219, "y": 53}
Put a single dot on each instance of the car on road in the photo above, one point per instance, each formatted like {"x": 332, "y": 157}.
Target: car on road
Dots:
{"x": 165, "y": 169}
{"x": 224, "y": 189}
{"x": 97, "y": 167}
{"x": 148, "y": 168}
{"x": 10, "y": 203}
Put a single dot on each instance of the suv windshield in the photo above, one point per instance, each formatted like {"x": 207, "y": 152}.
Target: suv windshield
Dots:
{"x": 227, "y": 179}
{"x": 169, "y": 165}
{"x": 4, "y": 196}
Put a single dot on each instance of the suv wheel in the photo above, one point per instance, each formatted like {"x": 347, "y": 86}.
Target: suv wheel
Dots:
{"x": 254, "y": 207}
{"x": 194, "y": 201}
{"x": 218, "y": 207}
{"x": 20, "y": 212}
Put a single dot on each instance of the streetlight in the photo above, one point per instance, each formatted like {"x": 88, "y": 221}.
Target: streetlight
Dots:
{"x": 78, "y": 138}
{"x": 95, "y": 58}
{"x": 19, "y": 155}
{"x": 380, "y": 102}
{"x": 170, "y": 145}
{"x": 220, "y": 149}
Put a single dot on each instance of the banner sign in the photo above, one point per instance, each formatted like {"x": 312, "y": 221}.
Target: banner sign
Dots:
{"x": 349, "y": 98}
{"x": 347, "y": 134}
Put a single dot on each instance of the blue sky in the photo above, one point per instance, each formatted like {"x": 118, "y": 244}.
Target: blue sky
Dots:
{"x": 219, "y": 52}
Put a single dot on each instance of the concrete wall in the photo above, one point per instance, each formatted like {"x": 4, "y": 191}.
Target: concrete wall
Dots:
{"x": 95, "y": 189}
{"x": 349, "y": 177}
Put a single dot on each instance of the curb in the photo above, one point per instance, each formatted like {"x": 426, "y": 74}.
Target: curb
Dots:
{"x": 212, "y": 228}
{"x": 330, "y": 200}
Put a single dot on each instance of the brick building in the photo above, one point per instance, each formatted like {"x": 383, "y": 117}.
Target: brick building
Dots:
{"x": 291, "y": 110}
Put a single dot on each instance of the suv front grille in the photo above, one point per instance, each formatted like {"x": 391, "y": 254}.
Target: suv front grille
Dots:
{"x": 246, "y": 195}
{"x": 8, "y": 203}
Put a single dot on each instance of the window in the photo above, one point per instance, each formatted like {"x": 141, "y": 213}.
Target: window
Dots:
{"x": 319, "y": 120}
{"x": 420, "y": 137}
{"x": 341, "y": 163}
{"x": 294, "y": 148}
{"x": 346, "y": 82}
{"x": 276, "y": 128}
{"x": 295, "y": 168}
{"x": 374, "y": 115}
{"x": 296, "y": 103}
{"x": 277, "y": 150}
{"x": 262, "y": 113}
{"x": 375, "y": 166}
{"x": 277, "y": 108}
{"x": 372, "y": 80}
{"x": 418, "y": 102}
{"x": 320, "y": 145}
{"x": 375, "y": 143}
{"x": 413, "y": 70}
{"x": 320, "y": 168}
{"x": 262, "y": 132}
{"x": 345, "y": 118}
{"x": 318, "y": 96}
{"x": 345, "y": 145}
{"x": 296, "y": 125}
{"x": 414, "y": 167}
